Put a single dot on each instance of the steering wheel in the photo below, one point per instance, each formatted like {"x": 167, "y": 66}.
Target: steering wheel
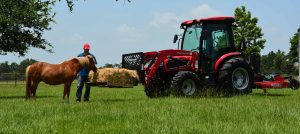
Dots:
{"x": 195, "y": 49}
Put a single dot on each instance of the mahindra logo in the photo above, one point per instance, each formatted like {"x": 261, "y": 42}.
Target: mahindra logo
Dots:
{"x": 183, "y": 53}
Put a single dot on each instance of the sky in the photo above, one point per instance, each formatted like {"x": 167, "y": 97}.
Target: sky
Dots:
{"x": 115, "y": 28}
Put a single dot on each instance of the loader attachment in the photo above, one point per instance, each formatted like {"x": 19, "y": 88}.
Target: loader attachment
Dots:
{"x": 135, "y": 61}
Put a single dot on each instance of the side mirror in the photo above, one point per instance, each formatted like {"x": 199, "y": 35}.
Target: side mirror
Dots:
{"x": 175, "y": 38}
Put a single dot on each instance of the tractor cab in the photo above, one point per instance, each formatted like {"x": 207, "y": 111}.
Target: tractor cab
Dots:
{"x": 210, "y": 37}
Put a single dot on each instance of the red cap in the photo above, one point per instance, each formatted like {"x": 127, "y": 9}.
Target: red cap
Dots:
{"x": 86, "y": 46}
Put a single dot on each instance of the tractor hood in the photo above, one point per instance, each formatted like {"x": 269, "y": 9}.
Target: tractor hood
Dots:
{"x": 171, "y": 52}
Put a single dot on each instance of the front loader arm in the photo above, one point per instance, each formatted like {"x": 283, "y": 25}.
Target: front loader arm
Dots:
{"x": 160, "y": 57}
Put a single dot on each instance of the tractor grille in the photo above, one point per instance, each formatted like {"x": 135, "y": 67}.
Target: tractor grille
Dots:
{"x": 134, "y": 61}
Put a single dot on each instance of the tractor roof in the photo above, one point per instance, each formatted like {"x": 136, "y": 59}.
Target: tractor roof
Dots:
{"x": 227, "y": 19}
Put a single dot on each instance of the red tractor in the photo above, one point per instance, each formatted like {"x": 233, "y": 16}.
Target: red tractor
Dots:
{"x": 206, "y": 56}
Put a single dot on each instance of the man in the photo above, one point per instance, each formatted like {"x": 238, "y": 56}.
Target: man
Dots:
{"x": 83, "y": 76}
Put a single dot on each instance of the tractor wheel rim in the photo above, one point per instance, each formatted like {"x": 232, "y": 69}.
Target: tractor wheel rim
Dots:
{"x": 188, "y": 87}
{"x": 240, "y": 78}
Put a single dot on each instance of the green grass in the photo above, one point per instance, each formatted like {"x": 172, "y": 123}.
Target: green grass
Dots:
{"x": 128, "y": 110}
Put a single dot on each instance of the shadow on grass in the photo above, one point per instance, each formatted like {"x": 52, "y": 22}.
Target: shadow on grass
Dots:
{"x": 23, "y": 97}
{"x": 115, "y": 100}
{"x": 269, "y": 94}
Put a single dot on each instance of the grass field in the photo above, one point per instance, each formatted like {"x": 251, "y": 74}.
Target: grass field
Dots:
{"x": 128, "y": 110}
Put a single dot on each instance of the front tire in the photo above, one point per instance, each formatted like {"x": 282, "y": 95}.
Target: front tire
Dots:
{"x": 236, "y": 77}
{"x": 157, "y": 88}
{"x": 185, "y": 83}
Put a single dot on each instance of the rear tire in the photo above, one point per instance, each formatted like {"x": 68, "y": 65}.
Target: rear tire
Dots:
{"x": 185, "y": 83}
{"x": 236, "y": 77}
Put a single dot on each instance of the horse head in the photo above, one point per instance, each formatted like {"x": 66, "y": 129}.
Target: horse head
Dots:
{"x": 91, "y": 64}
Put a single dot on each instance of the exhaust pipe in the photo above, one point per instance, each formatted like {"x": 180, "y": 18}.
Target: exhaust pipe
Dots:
{"x": 299, "y": 53}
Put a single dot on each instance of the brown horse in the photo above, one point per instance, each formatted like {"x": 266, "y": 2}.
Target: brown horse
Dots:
{"x": 54, "y": 74}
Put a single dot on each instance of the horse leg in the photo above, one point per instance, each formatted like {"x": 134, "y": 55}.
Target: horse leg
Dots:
{"x": 65, "y": 93}
{"x": 34, "y": 88}
{"x": 28, "y": 84}
{"x": 67, "y": 90}
{"x": 28, "y": 89}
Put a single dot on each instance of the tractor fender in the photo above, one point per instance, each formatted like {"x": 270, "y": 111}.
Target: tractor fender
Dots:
{"x": 224, "y": 58}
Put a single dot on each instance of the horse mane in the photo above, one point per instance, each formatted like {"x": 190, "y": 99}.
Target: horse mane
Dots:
{"x": 83, "y": 61}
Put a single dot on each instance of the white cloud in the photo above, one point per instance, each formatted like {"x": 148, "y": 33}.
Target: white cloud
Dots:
{"x": 129, "y": 33}
{"x": 126, "y": 29}
{"x": 173, "y": 20}
{"x": 164, "y": 19}
{"x": 202, "y": 11}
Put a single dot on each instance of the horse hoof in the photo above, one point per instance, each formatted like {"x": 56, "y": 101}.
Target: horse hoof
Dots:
{"x": 65, "y": 101}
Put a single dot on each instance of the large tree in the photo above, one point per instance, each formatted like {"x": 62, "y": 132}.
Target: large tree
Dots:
{"x": 293, "y": 54}
{"x": 22, "y": 24}
{"x": 247, "y": 31}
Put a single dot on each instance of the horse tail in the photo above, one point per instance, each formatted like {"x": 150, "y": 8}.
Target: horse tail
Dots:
{"x": 28, "y": 83}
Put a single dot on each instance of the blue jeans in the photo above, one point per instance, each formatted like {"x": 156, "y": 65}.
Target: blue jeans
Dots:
{"x": 81, "y": 81}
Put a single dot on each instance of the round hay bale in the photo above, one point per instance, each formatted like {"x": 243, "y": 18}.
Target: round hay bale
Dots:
{"x": 115, "y": 77}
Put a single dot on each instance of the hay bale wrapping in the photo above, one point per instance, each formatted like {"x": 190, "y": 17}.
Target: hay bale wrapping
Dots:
{"x": 114, "y": 77}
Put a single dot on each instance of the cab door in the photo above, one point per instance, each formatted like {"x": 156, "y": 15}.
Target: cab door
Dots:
{"x": 218, "y": 41}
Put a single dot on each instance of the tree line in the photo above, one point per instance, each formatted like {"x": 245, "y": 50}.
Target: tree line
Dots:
{"x": 14, "y": 67}
{"x": 280, "y": 62}
{"x": 20, "y": 68}
{"x": 277, "y": 63}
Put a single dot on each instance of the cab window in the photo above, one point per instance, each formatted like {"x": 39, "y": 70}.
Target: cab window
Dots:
{"x": 220, "y": 39}
{"x": 192, "y": 38}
